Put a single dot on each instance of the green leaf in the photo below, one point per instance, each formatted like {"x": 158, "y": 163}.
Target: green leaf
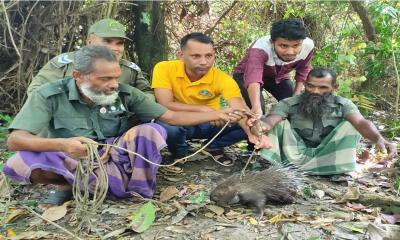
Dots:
{"x": 143, "y": 218}
{"x": 145, "y": 18}
{"x": 200, "y": 199}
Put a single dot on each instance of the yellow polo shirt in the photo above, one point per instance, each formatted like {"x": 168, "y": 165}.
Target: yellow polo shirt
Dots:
{"x": 205, "y": 91}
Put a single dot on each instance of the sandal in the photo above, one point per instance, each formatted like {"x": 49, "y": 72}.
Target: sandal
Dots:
{"x": 55, "y": 198}
{"x": 177, "y": 168}
{"x": 220, "y": 156}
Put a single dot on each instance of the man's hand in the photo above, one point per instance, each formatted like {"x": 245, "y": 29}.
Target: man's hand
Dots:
{"x": 218, "y": 123}
{"x": 257, "y": 112}
{"x": 386, "y": 146}
{"x": 260, "y": 142}
{"x": 258, "y": 127}
{"x": 74, "y": 147}
{"x": 232, "y": 115}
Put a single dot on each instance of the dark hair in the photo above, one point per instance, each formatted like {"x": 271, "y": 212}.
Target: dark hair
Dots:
{"x": 290, "y": 29}
{"x": 85, "y": 57}
{"x": 321, "y": 72}
{"x": 196, "y": 36}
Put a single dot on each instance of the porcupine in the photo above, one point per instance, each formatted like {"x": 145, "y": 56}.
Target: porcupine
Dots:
{"x": 274, "y": 185}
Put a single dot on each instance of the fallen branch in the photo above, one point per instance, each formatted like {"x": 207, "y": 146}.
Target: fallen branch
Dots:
{"x": 365, "y": 199}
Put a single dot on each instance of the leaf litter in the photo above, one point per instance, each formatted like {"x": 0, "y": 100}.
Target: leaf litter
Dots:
{"x": 340, "y": 207}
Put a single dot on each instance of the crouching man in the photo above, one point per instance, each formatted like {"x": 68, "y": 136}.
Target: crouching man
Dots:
{"x": 317, "y": 131}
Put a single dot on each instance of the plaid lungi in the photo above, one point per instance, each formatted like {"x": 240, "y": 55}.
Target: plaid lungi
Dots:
{"x": 334, "y": 155}
{"x": 127, "y": 173}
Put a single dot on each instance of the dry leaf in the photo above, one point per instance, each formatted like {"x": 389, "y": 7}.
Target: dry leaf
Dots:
{"x": 232, "y": 213}
{"x": 391, "y": 219}
{"x": 216, "y": 209}
{"x": 275, "y": 218}
{"x": 209, "y": 215}
{"x": 55, "y": 213}
{"x": 253, "y": 221}
{"x": 31, "y": 235}
{"x": 355, "y": 206}
{"x": 15, "y": 214}
{"x": 116, "y": 211}
{"x": 319, "y": 193}
{"x": 11, "y": 232}
{"x": 353, "y": 193}
{"x": 4, "y": 190}
{"x": 168, "y": 193}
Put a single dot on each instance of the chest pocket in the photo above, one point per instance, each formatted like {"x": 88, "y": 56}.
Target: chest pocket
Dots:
{"x": 71, "y": 127}
{"x": 330, "y": 121}
{"x": 115, "y": 123}
{"x": 302, "y": 126}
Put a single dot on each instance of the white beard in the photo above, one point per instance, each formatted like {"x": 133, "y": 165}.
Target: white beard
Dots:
{"x": 98, "y": 98}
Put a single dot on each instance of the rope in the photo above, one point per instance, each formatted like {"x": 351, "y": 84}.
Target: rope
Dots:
{"x": 242, "y": 173}
{"x": 87, "y": 206}
{"x": 182, "y": 160}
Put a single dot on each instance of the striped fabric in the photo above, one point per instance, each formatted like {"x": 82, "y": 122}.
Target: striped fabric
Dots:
{"x": 127, "y": 173}
{"x": 336, "y": 154}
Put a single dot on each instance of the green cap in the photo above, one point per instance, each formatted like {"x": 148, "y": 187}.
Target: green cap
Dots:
{"x": 108, "y": 28}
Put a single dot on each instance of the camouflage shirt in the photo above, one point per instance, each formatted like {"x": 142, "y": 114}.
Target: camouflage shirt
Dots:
{"x": 313, "y": 131}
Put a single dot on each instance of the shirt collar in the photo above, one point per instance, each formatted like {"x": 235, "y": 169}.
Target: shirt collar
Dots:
{"x": 181, "y": 73}
{"x": 73, "y": 93}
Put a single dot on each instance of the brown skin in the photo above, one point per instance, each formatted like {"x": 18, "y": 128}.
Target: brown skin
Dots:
{"x": 103, "y": 78}
{"x": 321, "y": 86}
{"x": 117, "y": 45}
{"x": 198, "y": 59}
{"x": 287, "y": 50}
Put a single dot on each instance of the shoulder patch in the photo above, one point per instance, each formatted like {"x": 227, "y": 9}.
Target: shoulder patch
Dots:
{"x": 62, "y": 60}
{"x": 131, "y": 65}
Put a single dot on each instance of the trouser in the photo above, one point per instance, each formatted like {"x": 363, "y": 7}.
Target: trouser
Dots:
{"x": 177, "y": 136}
{"x": 127, "y": 173}
{"x": 334, "y": 155}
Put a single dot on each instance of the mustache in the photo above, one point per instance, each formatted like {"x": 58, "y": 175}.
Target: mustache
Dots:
{"x": 315, "y": 105}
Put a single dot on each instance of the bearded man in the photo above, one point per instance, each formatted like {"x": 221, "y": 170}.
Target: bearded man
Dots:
{"x": 317, "y": 131}
{"x": 89, "y": 107}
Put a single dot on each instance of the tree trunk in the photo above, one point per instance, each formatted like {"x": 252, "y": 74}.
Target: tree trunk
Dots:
{"x": 150, "y": 36}
{"x": 366, "y": 21}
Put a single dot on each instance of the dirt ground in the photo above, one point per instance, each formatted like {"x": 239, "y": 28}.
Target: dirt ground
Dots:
{"x": 187, "y": 213}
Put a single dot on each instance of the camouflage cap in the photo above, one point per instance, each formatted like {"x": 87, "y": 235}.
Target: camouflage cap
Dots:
{"x": 108, "y": 28}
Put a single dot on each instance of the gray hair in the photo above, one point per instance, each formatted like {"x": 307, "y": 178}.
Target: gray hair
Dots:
{"x": 84, "y": 57}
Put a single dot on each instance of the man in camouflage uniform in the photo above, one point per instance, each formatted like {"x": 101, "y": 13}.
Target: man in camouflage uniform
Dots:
{"x": 317, "y": 131}
{"x": 109, "y": 33}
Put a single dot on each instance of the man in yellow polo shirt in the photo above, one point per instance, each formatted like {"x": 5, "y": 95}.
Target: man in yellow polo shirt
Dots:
{"x": 193, "y": 84}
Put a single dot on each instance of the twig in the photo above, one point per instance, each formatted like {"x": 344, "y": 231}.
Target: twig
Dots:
{"x": 211, "y": 29}
{"x": 51, "y": 222}
{"x": 9, "y": 28}
{"x": 395, "y": 69}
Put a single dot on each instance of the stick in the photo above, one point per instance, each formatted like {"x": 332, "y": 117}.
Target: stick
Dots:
{"x": 51, "y": 222}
